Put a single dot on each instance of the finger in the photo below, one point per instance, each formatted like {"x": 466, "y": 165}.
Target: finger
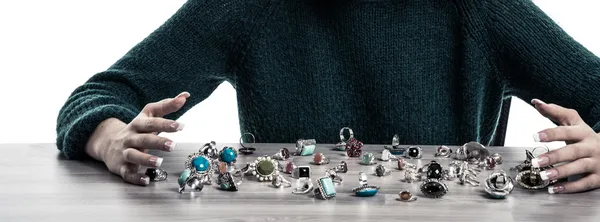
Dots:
{"x": 564, "y": 116}
{"x": 589, "y": 182}
{"x": 579, "y": 166}
{"x": 155, "y": 124}
{"x": 165, "y": 106}
{"x": 563, "y": 133}
{"x": 129, "y": 173}
{"x": 134, "y": 156}
{"x": 149, "y": 141}
{"x": 567, "y": 153}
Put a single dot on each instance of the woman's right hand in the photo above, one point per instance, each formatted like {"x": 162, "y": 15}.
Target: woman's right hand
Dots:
{"x": 122, "y": 147}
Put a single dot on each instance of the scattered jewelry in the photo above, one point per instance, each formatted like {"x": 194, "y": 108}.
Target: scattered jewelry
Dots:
{"x": 305, "y": 147}
{"x": 403, "y": 164}
{"x": 320, "y": 159}
{"x": 303, "y": 186}
{"x": 325, "y": 188}
{"x": 386, "y": 155}
{"x": 342, "y": 167}
{"x": 411, "y": 175}
{"x": 364, "y": 189}
{"x": 282, "y": 154}
{"x": 498, "y": 184}
{"x": 413, "y": 152}
{"x": 334, "y": 176}
{"x": 443, "y": 151}
{"x": 406, "y": 196}
{"x": 381, "y": 171}
{"x": 353, "y": 147}
{"x": 289, "y": 167}
{"x": 280, "y": 181}
{"x": 247, "y": 149}
{"x": 367, "y": 159}
{"x": 156, "y": 174}
{"x": 264, "y": 168}
{"x": 226, "y": 182}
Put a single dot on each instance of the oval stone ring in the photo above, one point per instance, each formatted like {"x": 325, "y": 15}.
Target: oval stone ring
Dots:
{"x": 406, "y": 196}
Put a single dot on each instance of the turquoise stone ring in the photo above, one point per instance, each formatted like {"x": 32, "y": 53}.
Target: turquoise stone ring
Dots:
{"x": 228, "y": 155}
{"x": 366, "y": 191}
{"x": 325, "y": 189}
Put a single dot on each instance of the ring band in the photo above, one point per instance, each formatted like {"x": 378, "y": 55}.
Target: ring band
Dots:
{"x": 247, "y": 149}
{"x": 342, "y": 137}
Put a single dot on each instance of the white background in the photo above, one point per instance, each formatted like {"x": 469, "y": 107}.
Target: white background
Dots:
{"x": 48, "y": 48}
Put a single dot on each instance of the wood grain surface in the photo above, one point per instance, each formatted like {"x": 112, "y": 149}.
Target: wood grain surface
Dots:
{"x": 38, "y": 184}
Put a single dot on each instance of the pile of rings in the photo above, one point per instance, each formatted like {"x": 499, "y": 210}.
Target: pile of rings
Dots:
{"x": 471, "y": 159}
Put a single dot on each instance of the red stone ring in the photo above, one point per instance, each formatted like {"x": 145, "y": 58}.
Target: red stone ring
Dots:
{"x": 320, "y": 159}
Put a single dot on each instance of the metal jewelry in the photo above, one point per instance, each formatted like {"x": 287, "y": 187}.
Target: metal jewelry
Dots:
{"x": 403, "y": 164}
{"x": 320, "y": 159}
{"x": 473, "y": 152}
{"x": 395, "y": 147}
{"x": 228, "y": 155}
{"x": 209, "y": 150}
{"x": 468, "y": 179}
{"x": 334, "y": 176}
{"x": 498, "y": 184}
{"x": 305, "y": 147}
{"x": 303, "y": 186}
{"x": 381, "y": 171}
{"x": 497, "y": 158}
{"x": 413, "y": 152}
{"x": 226, "y": 182}
{"x": 353, "y": 147}
{"x": 282, "y": 154}
{"x": 489, "y": 163}
{"x": 386, "y": 155}
{"x": 280, "y": 181}
{"x": 367, "y": 159}
{"x": 325, "y": 188}
{"x": 264, "y": 168}
{"x": 433, "y": 188}
{"x": 156, "y": 174}
{"x": 248, "y": 148}
{"x": 200, "y": 164}
{"x": 406, "y": 196}
{"x": 531, "y": 179}
{"x": 342, "y": 144}
{"x": 434, "y": 170}
{"x": 289, "y": 167}
{"x": 364, "y": 189}
{"x": 193, "y": 180}
{"x": 411, "y": 175}
{"x": 342, "y": 167}
{"x": 443, "y": 151}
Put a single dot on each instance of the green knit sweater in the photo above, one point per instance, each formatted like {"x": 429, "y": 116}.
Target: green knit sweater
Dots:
{"x": 432, "y": 71}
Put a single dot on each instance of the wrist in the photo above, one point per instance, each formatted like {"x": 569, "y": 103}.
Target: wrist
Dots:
{"x": 99, "y": 141}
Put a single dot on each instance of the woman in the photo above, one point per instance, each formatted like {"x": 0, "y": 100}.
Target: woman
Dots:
{"x": 436, "y": 72}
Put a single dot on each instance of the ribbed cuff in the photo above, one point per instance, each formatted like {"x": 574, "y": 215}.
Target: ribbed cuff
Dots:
{"x": 72, "y": 139}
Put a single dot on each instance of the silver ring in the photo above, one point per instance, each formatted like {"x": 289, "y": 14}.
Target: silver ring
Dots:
{"x": 473, "y": 152}
{"x": 395, "y": 140}
{"x": 280, "y": 181}
{"x": 367, "y": 159}
{"x": 198, "y": 163}
{"x": 210, "y": 150}
{"x": 305, "y": 147}
{"x": 156, "y": 174}
{"x": 443, "y": 151}
{"x": 342, "y": 167}
{"x": 498, "y": 184}
{"x": 362, "y": 179}
{"x": 543, "y": 146}
{"x": 325, "y": 188}
{"x": 334, "y": 176}
{"x": 228, "y": 155}
{"x": 386, "y": 155}
{"x": 342, "y": 137}
{"x": 381, "y": 171}
{"x": 468, "y": 179}
{"x": 289, "y": 167}
{"x": 411, "y": 175}
{"x": 365, "y": 191}
{"x": 247, "y": 149}
{"x": 282, "y": 154}
{"x": 531, "y": 179}
{"x": 304, "y": 186}
{"x": 413, "y": 152}
{"x": 264, "y": 168}
{"x": 403, "y": 164}
{"x": 497, "y": 158}
{"x": 320, "y": 159}
{"x": 406, "y": 196}
{"x": 433, "y": 188}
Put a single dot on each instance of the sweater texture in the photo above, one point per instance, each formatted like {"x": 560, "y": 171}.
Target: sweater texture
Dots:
{"x": 433, "y": 71}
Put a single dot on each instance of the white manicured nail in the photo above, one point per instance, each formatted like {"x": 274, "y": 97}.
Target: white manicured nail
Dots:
{"x": 551, "y": 189}
{"x": 535, "y": 162}
{"x": 170, "y": 145}
{"x": 180, "y": 127}
{"x": 536, "y": 137}
{"x": 544, "y": 175}
{"x": 159, "y": 162}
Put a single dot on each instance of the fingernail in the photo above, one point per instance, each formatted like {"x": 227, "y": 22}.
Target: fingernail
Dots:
{"x": 170, "y": 145}
{"x": 177, "y": 126}
{"x": 540, "y": 137}
{"x": 145, "y": 180}
{"x": 548, "y": 174}
{"x": 555, "y": 189}
{"x": 157, "y": 161}
{"x": 537, "y": 162}
{"x": 537, "y": 101}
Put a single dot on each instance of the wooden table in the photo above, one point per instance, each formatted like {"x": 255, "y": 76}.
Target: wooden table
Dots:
{"x": 39, "y": 185}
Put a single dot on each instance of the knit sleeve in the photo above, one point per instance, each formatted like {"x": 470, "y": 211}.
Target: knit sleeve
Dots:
{"x": 192, "y": 51}
{"x": 540, "y": 60}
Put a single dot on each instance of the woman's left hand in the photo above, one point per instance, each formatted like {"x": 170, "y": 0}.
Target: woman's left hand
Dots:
{"x": 581, "y": 154}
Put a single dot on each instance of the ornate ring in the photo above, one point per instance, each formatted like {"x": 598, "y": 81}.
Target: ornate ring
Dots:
{"x": 334, "y": 176}
{"x": 497, "y": 158}
{"x": 381, "y": 171}
{"x": 200, "y": 164}
{"x": 247, "y": 149}
{"x": 282, "y": 154}
{"x": 403, "y": 164}
{"x": 353, "y": 147}
{"x": 289, "y": 167}
{"x": 362, "y": 179}
{"x": 386, "y": 155}
{"x": 531, "y": 179}
{"x": 434, "y": 188}
{"x": 342, "y": 167}
{"x": 194, "y": 180}
{"x": 434, "y": 170}
{"x": 156, "y": 174}
{"x": 305, "y": 147}
{"x": 413, "y": 152}
{"x": 443, "y": 151}
{"x": 365, "y": 191}
{"x": 226, "y": 182}
{"x": 466, "y": 178}
{"x": 498, "y": 184}
{"x": 367, "y": 159}
{"x": 489, "y": 163}
{"x": 342, "y": 137}
{"x": 325, "y": 188}
{"x": 228, "y": 155}
{"x": 320, "y": 159}
{"x": 406, "y": 196}
{"x": 395, "y": 140}
{"x": 264, "y": 168}
{"x": 411, "y": 175}
{"x": 473, "y": 152}
{"x": 304, "y": 186}
{"x": 450, "y": 172}
{"x": 209, "y": 150}
{"x": 280, "y": 181}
